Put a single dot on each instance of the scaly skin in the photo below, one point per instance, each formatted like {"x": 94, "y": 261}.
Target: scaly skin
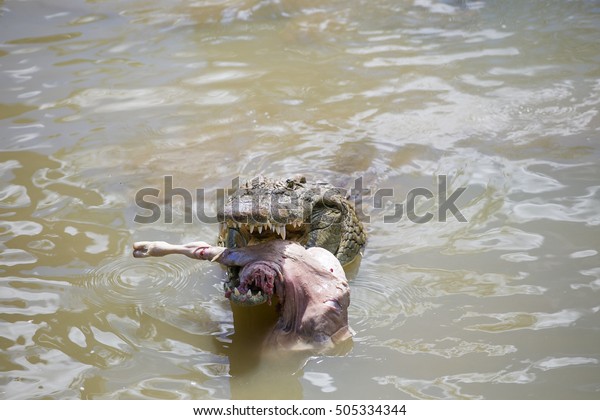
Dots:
{"x": 313, "y": 215}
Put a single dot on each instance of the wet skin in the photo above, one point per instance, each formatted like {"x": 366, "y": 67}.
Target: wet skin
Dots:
{"x": 310, "y": 285}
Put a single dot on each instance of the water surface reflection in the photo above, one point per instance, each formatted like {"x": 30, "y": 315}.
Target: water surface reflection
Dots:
{"x": 101, "y": 99}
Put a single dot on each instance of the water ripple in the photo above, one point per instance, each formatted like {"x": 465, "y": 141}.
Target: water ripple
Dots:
{"x": 14, "y": 196}
{"x": 558, "y": 362}
{"x": 30, "y": 296}
{"x": 457, "y": 347}
{"x": 10, "y": 257}
{"x": 505, "y": 238}
{"x": 440, "y": 59}
{"x": 520, "y": 320}
{"x": 127, "y": 281}
{"x": 225, "y": 76}
{"x": 583, "y": 209}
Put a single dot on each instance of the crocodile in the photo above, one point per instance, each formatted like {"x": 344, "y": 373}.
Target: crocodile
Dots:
{"x": 310, "y": 214}
{"x": 287, "y": 239}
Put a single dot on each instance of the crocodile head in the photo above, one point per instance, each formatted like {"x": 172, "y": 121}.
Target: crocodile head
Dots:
{"x": 310, "y": 214}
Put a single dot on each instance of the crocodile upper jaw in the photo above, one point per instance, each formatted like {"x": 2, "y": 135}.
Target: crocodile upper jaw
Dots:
{"x": 254, "y": 232}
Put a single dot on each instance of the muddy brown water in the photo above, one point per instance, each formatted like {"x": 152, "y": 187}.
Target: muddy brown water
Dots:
{"x": 101, "y": 99}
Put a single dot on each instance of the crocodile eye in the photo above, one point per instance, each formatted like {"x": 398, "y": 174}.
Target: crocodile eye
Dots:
{"x": 298, "y": 179}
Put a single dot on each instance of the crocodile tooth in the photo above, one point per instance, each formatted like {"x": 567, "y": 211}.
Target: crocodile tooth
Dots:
{"x": 236, "y": 291}
{"x": 249, "y": 294}
{"x": 259, "y": 294}
{"x": 282, "y": 231}
{"x": 260, "y": 228}
{"x": 268, "y": 225}
{"x": 251, "y": 228}
{"x": 277, "y": 229}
